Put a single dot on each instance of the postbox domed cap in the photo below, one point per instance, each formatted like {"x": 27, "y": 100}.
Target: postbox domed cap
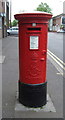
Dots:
{"x": 33, "y": 15}
{"x": 28, "y": 12}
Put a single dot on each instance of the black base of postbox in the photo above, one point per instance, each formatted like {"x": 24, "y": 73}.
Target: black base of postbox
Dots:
{"x": 33, "y": 95}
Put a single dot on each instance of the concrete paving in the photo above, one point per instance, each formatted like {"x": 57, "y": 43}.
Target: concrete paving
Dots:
{"x": 2, "y": 58}
{"x": 0, "y": 46}
{"x": 1, "y": 80}
{"x": 49, "y": 107}
{"x": 10, "y": 76}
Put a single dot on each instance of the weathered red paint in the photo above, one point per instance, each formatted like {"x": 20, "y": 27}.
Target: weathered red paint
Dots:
{"x": 32, "y": 62}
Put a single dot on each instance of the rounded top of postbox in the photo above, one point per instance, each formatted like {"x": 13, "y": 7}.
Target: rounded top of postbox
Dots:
{"x": 33, "y": 15}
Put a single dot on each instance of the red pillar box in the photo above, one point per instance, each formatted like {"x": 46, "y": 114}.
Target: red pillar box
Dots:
{"x": 33, "y": 28}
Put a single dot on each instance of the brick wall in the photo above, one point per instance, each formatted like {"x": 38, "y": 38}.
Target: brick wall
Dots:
{"x": 2, "y": 19}
{"x": 58, "y": 21}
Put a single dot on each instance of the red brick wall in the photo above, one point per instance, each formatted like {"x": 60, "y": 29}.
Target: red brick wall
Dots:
{"x": 58, "y": 21}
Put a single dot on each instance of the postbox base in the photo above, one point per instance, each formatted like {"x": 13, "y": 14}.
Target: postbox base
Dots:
{"x": 32, "y": 95}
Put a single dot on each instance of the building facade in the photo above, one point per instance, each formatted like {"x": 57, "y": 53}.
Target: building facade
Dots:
{"x": 57, "y": 23}
{"x": 64, "y": 7}
{"x": 4, "y": 17}
{"x": 0, "y": 19}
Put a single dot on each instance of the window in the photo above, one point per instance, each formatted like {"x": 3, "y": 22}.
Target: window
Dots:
{"x": 63, "y": 20}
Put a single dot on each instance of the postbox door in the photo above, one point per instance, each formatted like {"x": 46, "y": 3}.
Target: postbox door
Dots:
{"x": 33, "y": 47}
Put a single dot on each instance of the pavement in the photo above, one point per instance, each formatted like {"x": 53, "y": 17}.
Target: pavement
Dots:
{"x": 0, "y": 80}
{"x": 10, "y": 76}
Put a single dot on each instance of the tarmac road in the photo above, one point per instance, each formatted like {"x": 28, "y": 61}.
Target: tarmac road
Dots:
{"x": 55, "y": 43}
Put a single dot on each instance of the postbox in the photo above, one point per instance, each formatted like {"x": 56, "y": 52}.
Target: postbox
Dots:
{"x": 33, "y": 28}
